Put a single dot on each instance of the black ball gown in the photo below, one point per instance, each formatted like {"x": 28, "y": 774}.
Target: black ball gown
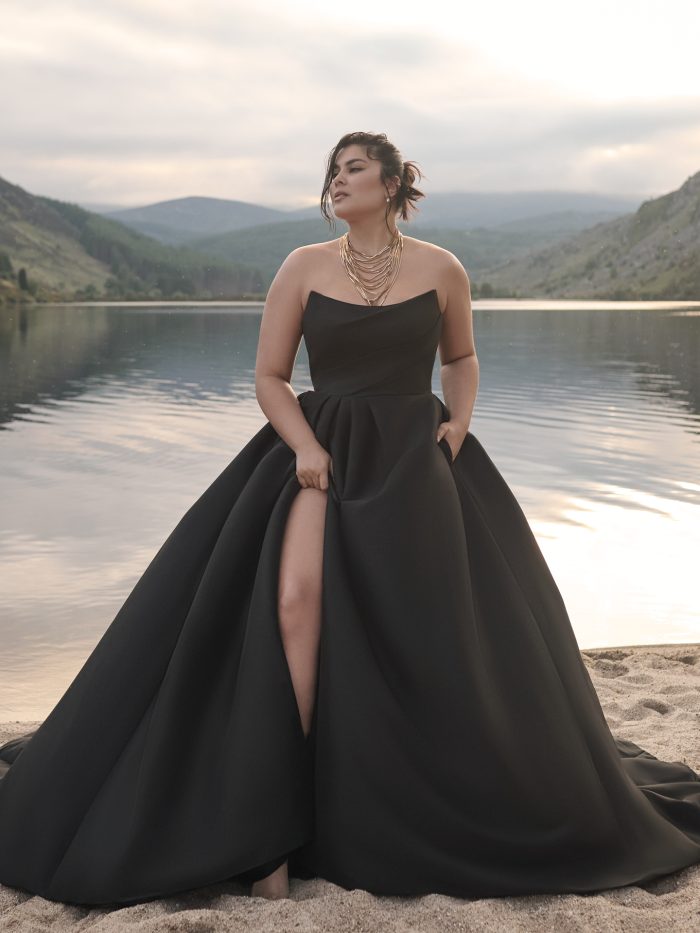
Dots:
{"x": 457, "y": 745}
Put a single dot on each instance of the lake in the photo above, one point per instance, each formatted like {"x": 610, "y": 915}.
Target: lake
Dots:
{"x": 115, "y": 418}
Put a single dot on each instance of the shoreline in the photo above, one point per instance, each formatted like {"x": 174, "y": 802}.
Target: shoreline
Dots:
{"x": 665, "y": 644}
{"x": 492, "y": 304}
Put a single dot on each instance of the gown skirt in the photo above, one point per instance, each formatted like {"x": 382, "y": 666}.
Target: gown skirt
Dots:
{"x": 457, "y": 744}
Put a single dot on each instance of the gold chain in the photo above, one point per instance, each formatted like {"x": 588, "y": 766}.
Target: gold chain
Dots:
{"x": 372, "y": 273}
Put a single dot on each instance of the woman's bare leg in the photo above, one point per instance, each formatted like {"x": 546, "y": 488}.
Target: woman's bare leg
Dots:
{"x": 299, "y": 611}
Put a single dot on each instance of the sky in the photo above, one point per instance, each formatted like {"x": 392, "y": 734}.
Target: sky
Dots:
{"x": 129, "y": 103}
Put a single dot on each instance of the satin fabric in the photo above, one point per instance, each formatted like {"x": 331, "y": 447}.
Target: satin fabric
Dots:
{"x": 457, "y": 746}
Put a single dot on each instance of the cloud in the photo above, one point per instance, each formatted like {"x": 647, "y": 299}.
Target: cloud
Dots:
{"x": 132, "y": 103}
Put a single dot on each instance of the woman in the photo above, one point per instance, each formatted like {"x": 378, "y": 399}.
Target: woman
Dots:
{"x": 370, "y": 264}
{"x": 349, "y": 659}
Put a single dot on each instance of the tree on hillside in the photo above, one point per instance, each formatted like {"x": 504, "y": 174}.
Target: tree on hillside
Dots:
{"x": 22, "y": 279}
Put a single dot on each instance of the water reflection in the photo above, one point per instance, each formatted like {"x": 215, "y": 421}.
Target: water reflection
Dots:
{"x": 115, "y": 419}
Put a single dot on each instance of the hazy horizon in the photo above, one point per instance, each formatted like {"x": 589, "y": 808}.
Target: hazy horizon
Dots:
{"x": 100, "y": 206}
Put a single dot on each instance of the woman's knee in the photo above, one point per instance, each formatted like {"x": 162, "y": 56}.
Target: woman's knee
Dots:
{"x": 298, "y": 603}
{"x": 301, "y": 565}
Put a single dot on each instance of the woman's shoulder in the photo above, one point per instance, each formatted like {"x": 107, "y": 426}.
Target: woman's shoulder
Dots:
{"x": 304, "y": 256}
{"x": 440, "y": 260}
{"x": 429, "y": 249}
{"x": 324, "y": 246}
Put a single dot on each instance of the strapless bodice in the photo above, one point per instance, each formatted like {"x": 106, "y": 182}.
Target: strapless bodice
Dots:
{"x": 357, "y": 349}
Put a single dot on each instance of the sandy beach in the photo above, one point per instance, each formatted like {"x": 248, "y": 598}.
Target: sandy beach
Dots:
{"x": 650, "y": 694}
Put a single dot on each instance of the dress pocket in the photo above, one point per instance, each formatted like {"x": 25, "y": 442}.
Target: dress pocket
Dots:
{"x": 446, "y": 449}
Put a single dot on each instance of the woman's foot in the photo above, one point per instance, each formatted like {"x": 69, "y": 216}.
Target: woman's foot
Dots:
{"x": 274, "y": 885}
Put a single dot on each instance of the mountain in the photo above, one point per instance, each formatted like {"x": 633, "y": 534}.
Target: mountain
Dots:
{"x": 184, "y": 219}
{"x": 558, "y": 223}
{"x": 652, "y": 253}
{"x": 467, "y": 210}
{"x": 38, "y": 239}
{"x": 52, "y": 250}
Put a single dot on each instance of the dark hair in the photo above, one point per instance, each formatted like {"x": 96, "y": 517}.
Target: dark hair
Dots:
{"x": 378, "y": 147}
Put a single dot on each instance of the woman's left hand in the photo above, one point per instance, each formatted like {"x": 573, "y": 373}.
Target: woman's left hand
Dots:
{"x": 454, "y": 435}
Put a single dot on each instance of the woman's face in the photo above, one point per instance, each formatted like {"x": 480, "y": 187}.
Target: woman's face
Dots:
{"x": 357, "y": 188}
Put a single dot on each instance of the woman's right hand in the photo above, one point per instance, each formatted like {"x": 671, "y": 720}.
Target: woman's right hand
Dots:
{"x": 313, "y": 465}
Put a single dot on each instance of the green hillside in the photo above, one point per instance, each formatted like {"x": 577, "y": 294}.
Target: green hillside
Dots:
{"x": 52, "y": 251}
{"x": 653, "y": 253}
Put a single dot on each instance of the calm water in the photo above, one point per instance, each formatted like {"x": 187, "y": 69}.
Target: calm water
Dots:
{"x": 113, "y": 420}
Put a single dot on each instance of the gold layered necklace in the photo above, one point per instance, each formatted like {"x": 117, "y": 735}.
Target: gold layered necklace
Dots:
{"x": 372, "y": 273}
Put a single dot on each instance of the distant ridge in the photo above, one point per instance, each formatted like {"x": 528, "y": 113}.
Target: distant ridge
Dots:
{"x": 183, "y": 219}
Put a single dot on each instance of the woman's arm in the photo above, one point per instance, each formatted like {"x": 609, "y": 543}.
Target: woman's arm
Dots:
{"x": 278, "y": 345}
{"x": 459, "y": 372}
